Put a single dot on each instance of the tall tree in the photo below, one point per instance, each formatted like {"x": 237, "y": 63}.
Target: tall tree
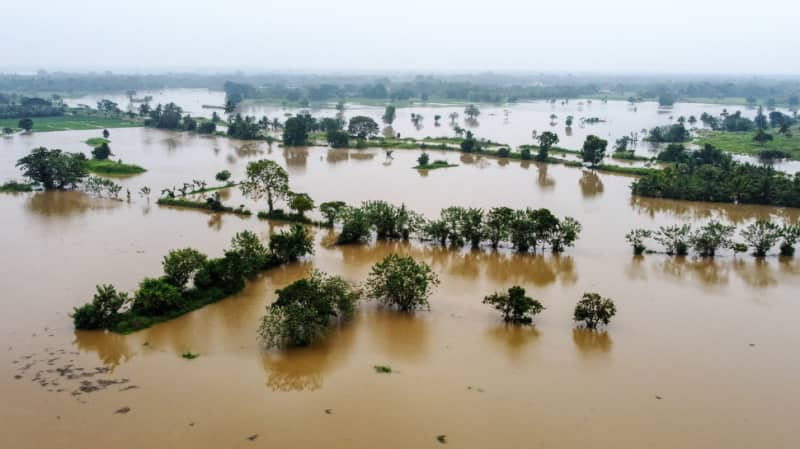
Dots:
{"x": 265, "y": 178}
{"x": 594, "y": 149}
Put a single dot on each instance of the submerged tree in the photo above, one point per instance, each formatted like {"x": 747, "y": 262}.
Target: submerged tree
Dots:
{"x": 761, "y": 235}
{"x": 265, "y": 178}
{"x": 546, "y": 140}
{"x": 53, "y": 169}
{"x": 401, "y": 282}
{"x": 636, "y": 239}
{"x": 594, "y": 150}
{"x": 305, "y": 310}
{"x": 180, "y": 265}
{"x": 710, "y": 237}
{"x": 515, "y": 306}
{"x": 389, "y": 114}
{"x": 592, "y": 310}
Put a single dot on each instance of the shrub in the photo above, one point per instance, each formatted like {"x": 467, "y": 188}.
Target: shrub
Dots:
{"x": 675, "y": 238}
{"x": 301, "y": 203}
{"x": 223, "y": 273}
{"x": 423, "y": 159}
{"x": 156, "y": 297}
{"x": 181, "y": 264}
{"x": 248, "y": 252}
{"x": 503, "y": 152}
{"x": 762, "y": 235}
{"x": 222, "y": 176}
{"x": 636, "y": 239}
{"x": 207, "y": 127}
{"x": 525, "y": 154}
{"x": 401, "y": 282}
{"x": 101, "y": 152}
{"x": 593, "y": 309}
{"x": 289, "y": 246}
{"x": 514, "y": 305}
{"x": 332, "y": 211}
{"x": 103, "y": 311}
{"x": 712, "y": 236}
{"x": 790, "y": 233}
{"x": 305, "y": 309}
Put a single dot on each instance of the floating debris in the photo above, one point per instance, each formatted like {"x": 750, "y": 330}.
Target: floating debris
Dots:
{"x": 442, "y": 439}
{"x": 252, "y": 437}
{"x": 122, "y": 410}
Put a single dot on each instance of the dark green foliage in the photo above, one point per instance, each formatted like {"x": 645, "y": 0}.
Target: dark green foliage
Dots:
{"x": 222, "y": 274}
{"x": 546, "y": 141}
{"x": 16, "y": 186}
{"x": 53, "y": 169}
{"x": 711, "y": 175}
{"x": 332, "y": 211}
{"x": 101, "y": 152}
{"x": 761, "y": 235}
{"x": 382, "y": 369}
{"x": 636, "y": 239}
{"x": 207, "y": 127}
{"x": 265, "y": 178}
{"x": 305, "y": 309}
{"x": 674, "y": 152}
{"x": 223, "y": 176}
{"x": 356, "y": 226}
{"x": 26, "y": 124}
{"x": 401, "y": 282}
{"x": 710, "y": 237}
{"x": 291, "y": 245}
{"x": 103, "y": 311}
{"x": 249, "y": 253}
{"x": 338, "y": 139}
{"x": 594, "y": 149}
{"x": 296, "y": 129}
{"x": 672, "y": 133}
{"x": 503, "y": 152}
{"x": 423, "y": 159}
{"x": 180, "y": 265}
{"x": 301, "y": 203}
{"x": 593, "y": 310}
{"x": 525, "y": 154}
{"x": 244, "y": 128}
{"x": 470, "y": 144}
{"x": 156, "y": 297}
{"x": 496, "y": 224}
{"x": 514, "y": 305}
{"x": 362, "y": 127}
{"x": 168, "y": 116}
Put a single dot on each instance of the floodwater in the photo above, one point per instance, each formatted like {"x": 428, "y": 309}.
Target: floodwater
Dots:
{"x": 702, "y": 353}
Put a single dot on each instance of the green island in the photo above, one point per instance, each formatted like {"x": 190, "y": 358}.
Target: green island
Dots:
{"x": 434, "y": 165}
{"x": 741, "y": 142}
{"x": 113, "y": 168}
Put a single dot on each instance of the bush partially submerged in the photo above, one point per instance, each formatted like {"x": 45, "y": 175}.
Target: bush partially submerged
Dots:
{"x": 514, "y": 305}
{"x": 401, "y": 282}
{"x": 306, "y": 309}
{"x": 593, "y": 310}
{"x": 103, "y": 311}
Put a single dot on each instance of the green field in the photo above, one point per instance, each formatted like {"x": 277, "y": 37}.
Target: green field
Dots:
{"x": 743, "y": 143}
{"x": 73, "y": 122}
{"x": 96, "y": 141}
{"x": 109, "y": 167}
{"x": 434, "y": 166}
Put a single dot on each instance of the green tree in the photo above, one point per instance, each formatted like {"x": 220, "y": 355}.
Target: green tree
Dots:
{"x": 332, "y": 211}
{"x": 305, "y": 310}
{"x": 356, "y": 226}
{"x": 563, "y": 234}
{"x": 248, "y": 253}
{"x": 295, "y": 131}
{"x": 674, "y": 239}
{"x": 106, "y": 134}
{"x": 761, "y": 235}
{"x": 401, "y": 282}
{"x": 301, "y": 203}
{"x": 338, "y": 139}
{"x": 156, "y": 297}
{"x": 496, "y": 224}
{"x": 712, "y": 236}
{"x": 26, "y": 124}
{"x": 472, "y": 111}
{"x": 292, "y": 245}
{"x": 362, "y": 126}
{"x": 636, "y": 239}
{"x": 594, "y": 150}
{"x": 592, "y": 310}
{"x": 102, "y": 152}
{"x": 423, "y": 159}
{"x": 265, "y": 178}
{"x": 515, "y": 306}
{"x": 223, "y": 176}
{"x": 389, "y": 114}
{"x": 180, "y": 265}
{"x": 103, "y": 311}
{"x": 790, "y": 233}
{"x": 53, "y": 169}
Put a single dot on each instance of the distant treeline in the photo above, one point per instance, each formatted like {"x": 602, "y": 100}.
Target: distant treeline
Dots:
{"x": 17, "y": 106}
{"x": 485, "y": 87}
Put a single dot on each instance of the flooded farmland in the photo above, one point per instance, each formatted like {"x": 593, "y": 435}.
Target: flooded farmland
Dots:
{"x": 701, "y": 353}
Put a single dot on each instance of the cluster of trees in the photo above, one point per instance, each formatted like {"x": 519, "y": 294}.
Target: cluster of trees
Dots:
{"x": 456, "y": 226}
{"x": 709, "y": 174}
{"x": 191, "y": 280}
{"x": 306, "y": 309}
{"x": 169, "y": 116}
{"x": 760, "y": 236}
{"x": 53, "y": 169}
{"x": 244, "y": 128}
{"x": 16, "y": 106}
{"x": 670, "y": 133}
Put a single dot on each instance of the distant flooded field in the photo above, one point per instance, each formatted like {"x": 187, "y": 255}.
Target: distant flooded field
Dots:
{"x": 702, "y": 353}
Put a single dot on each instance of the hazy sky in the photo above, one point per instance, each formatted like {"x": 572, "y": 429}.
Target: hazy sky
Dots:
{"x": 733, "y": 36}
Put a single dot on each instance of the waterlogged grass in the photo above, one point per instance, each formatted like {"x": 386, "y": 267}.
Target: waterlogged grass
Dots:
{"x": 16, "y": 186}
{"x": 212, "y": 189}
{"x": 743, "y": 143}
{"x": 280, "y": 215}
{"x": 96, "y": 141}
{"x": 74, "y": 122}
{"x": 109, "y": 167}
{"x": 382, "y": 369}
{"x": 435, "y": 165}
{"x": 189, "y": 355}
{"x": 189, "y": 204}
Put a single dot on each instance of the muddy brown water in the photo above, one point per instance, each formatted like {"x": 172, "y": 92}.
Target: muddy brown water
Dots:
{"x": 701, "y": 354}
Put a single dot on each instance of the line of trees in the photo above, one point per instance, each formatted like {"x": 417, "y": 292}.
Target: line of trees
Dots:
{"x": 191, "y": 280}
{"x": 759, "y": 236}
{"x": 456, "y": 226}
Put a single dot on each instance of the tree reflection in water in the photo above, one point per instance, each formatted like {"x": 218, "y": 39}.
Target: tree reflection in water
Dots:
{"x": 516, "y": 339}
{"x": 591, "y": 184}
{"x": 111, "y": 348}
{"x": 592, "y": 342}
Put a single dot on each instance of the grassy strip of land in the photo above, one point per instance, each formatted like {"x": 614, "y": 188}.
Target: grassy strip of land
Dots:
{"x": 212, "y": 189}
{"x": 743, "y": 143}
{"x": 109, "y": 167}
{"x": 96, "y": 141}
{"x": 203, "y": 205}
{"x": 74, "y": 122}
{"x": 280, "y": 215}
{"x": 15, "y": 186}
{"x": 435, "y": 165}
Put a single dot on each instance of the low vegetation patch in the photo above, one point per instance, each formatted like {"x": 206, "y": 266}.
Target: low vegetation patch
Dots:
{"x": 109, "y": 167}
{"x": 16, "y": 186}
{"x": 382, "y": 369}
